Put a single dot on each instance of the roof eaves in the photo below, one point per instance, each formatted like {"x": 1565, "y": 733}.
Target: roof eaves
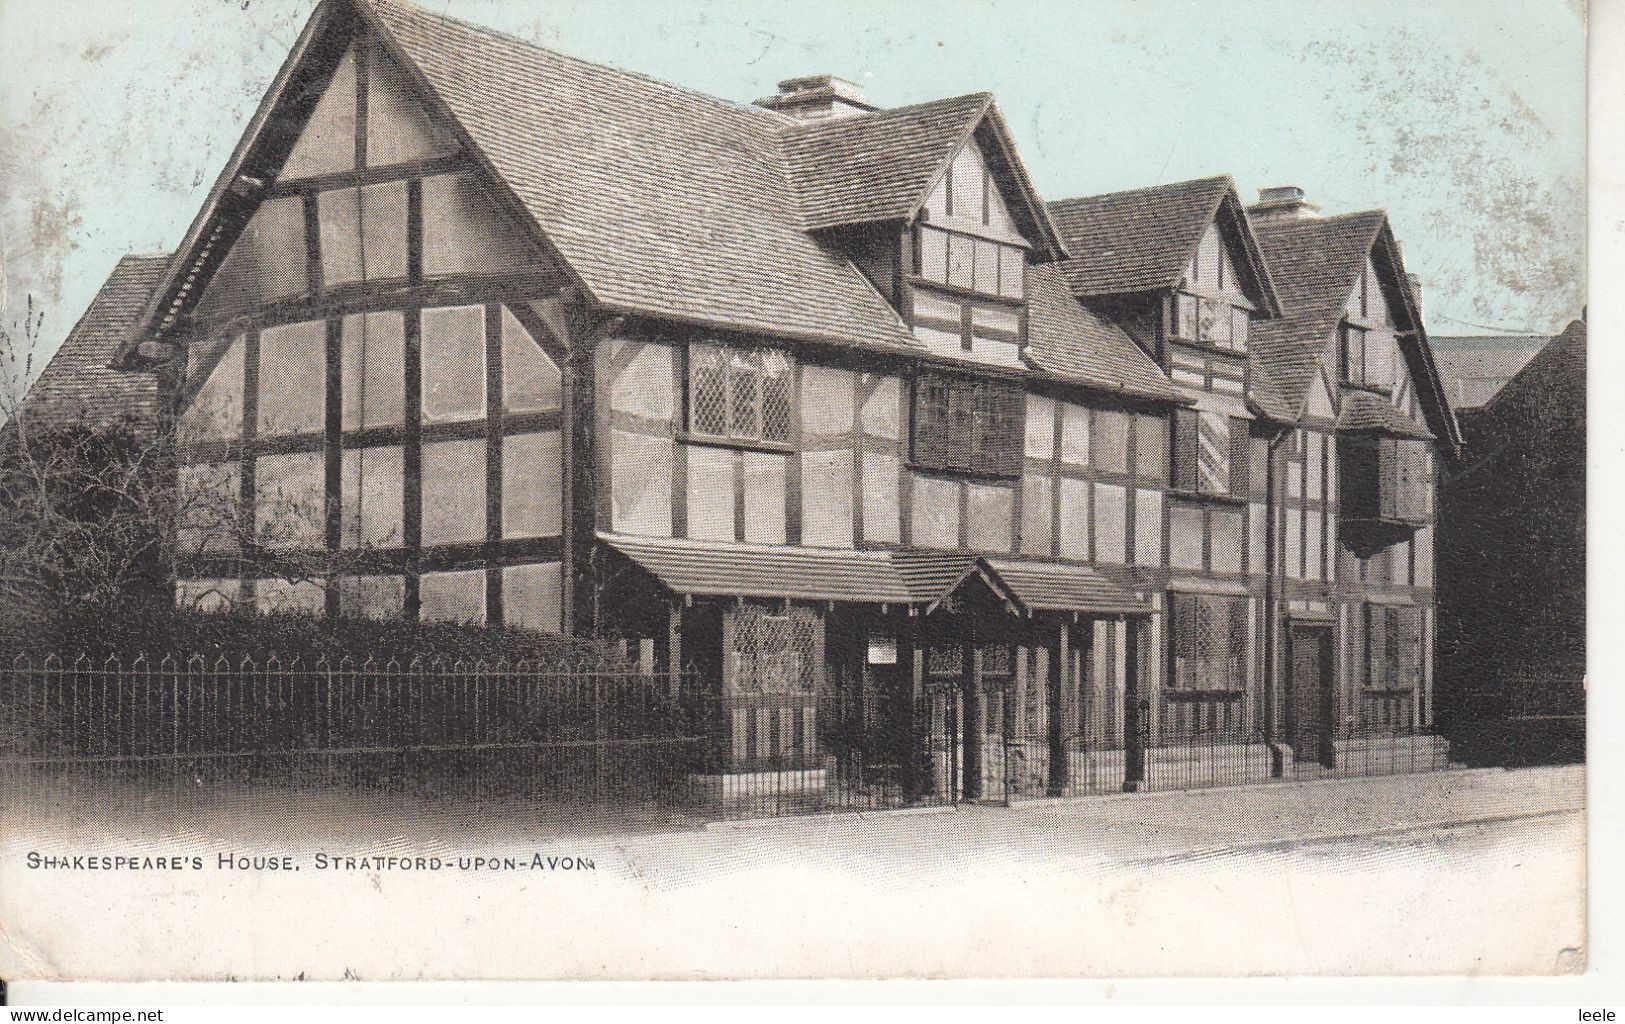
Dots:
{"x": 320, "y": 22}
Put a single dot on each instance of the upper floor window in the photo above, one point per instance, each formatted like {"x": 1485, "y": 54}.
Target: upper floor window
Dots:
{"x": 966, "y": 261}
{"x": 1206, "y": 320}
{"x": 1386, "y": 478}
{"x": 963, "y": 425}
{"x": 739, "y": 394}
{"x": 1368, "y": 357}
{"x": 1210, "y": 454}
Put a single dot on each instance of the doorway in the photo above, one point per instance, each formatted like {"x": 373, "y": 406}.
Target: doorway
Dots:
{"x": 1309, "y": 694}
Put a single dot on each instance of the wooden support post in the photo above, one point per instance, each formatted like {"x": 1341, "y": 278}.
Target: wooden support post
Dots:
{"x": 920, "y": 767}
{"x": 973, "y": 726}
{"x": 674, "y": 648}
{"x": 1135, "y": 710}
{"x": 1061, "y": 715}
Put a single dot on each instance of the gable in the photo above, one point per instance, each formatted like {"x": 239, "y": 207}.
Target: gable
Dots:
{"x": 1319, "y": 403}
{"x": 1212, "y": 269}
{"x": 371, "y": 177}
{"x": 970, "y": 197}
{"x": 649, "y": 199}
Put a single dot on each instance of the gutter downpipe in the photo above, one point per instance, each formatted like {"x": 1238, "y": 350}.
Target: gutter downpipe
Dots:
{"x": 1272, "y": 604}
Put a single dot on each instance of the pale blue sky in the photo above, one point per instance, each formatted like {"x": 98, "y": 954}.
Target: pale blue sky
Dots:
{"x": 1464, "y": 118}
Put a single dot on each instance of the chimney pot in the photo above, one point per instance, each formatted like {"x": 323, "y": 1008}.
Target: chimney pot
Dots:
{"x": 817, "y": 97}
{"x": 1282, "y": 202}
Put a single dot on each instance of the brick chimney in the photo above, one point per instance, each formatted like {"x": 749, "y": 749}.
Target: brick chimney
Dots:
{"x": 817, "y": 97}
{"x": 1283, "y": 202}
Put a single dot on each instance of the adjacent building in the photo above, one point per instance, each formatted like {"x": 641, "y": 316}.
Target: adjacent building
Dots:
{"x": 930, "y": 485}
{"x": 1512, "y": 573}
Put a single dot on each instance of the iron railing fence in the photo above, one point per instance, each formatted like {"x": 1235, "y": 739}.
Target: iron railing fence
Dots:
{"x": 596, "y": 737}
{"x": 470, "y": 732}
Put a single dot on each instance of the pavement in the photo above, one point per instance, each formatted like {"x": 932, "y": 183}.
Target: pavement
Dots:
{"x": 1469, "y": 871}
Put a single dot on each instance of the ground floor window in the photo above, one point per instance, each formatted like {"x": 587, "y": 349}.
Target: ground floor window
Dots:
{"x": 1208, "y": 639}
{"x": 1393, "y": 647}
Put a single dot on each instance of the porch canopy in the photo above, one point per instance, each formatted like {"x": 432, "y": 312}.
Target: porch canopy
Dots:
{"x": 917, "y": 579}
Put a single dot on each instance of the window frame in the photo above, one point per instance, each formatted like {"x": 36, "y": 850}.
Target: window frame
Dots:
{"x": 1197, "y": 336}
{"x": 988, "y": 421}
{"x": 727, "y": 354}
{"x": 977, "y": 245}
{"x": 1385, "y": 647}
{"x": 1184, "y": 634}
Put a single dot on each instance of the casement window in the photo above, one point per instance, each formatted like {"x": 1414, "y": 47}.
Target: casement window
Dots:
{"x": 1386, "y": 478}
{"x": 739, "y": 394}
{"x": 1211, "y": 453}
{"x": 1216, "y": 322}
{"x": 1368, "y": 357}
{"x": 962, "y": 425}
{"x": 965, "y": 261}
{"x": 1405, "y": 476}
{"x": 1393, "y": 647}
{"x": 1208, "y": 642}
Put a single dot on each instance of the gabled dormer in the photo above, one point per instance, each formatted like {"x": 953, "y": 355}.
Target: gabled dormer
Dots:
{"x": 1179, "y": 267}
{"x": 932, "y": 203}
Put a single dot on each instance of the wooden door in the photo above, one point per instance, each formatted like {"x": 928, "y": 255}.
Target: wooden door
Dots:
{"x": 1309, "y": 694}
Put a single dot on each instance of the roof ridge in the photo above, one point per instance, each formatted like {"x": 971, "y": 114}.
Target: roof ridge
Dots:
{"x": 1213, "y": 178}
{"x": 508, "y": 37}
{"x": 794, "y": 126}
{"x": 1289, "y": 223}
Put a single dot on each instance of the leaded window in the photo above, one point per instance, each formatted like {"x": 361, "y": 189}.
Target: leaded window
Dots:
{"x": 1208, "y": 639}
{"x": 739, "y": 394}
{"x": 774, "y": 650}
{"x": 964, "y": 425}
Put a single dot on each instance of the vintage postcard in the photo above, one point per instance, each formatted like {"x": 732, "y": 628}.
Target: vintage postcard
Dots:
{"x": 607, "y": 489}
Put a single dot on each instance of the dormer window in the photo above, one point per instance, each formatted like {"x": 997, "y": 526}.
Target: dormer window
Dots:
{"x": 964, "y": 261}
{"x": 1212, "y": 321}
{"x": 1368, "y": 357}
{"x": 1368, "y": 336}
{"x": 1210, "y": 308}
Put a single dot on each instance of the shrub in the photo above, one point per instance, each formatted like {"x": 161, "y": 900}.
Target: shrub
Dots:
{"x": 130, "y": 629}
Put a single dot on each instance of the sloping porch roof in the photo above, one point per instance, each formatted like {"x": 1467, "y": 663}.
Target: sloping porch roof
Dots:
{"x": 914, "y": 578}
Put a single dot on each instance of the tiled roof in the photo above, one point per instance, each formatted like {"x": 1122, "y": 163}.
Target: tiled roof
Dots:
{"x": 1068, "y": 340}
{"x": 1363, "y": 412}
{"x": 717, "y": 568}
{"x": 1135, "y": 241}
{"x": 1314, "y": 262}
{"x": 664, "y": 201}
{"x": 77, "y": 387}
{"x": 1476, "y": 368}
{"x": 724, "y": 569}
{"x": 1557, "y": 373}
{"x": 878, "y": 166}
{"x": 1056, "y": 586}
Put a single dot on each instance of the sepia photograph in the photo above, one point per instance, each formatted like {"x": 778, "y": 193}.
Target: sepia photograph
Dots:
{"x": 612, "y": 490}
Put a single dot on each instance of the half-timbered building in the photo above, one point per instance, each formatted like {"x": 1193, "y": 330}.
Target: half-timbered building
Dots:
{"x": 817, "y": 408}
